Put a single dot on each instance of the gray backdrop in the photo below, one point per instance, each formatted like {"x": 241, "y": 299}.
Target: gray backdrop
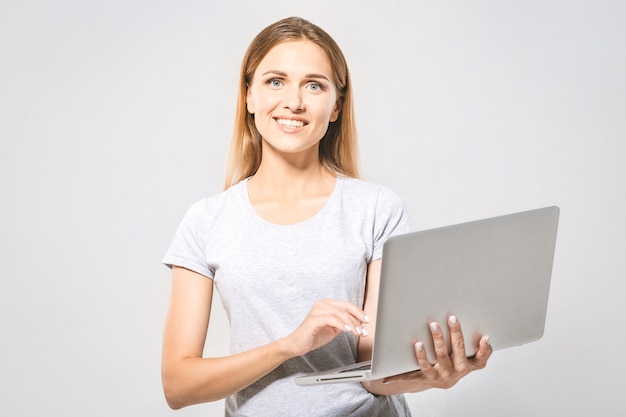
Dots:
{"x": 115, "y": 116}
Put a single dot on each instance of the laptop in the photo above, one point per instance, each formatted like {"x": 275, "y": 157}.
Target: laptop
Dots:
{"x": 493, "y": 274}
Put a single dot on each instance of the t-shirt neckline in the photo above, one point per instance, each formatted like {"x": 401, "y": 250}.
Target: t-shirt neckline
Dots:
{"x": 320, "y": 213}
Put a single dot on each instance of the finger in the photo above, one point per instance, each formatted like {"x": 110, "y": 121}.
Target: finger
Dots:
{"x": 441, "y": 350}
{"x": 459, "y": 355}
{"x": 479, "y": 361}
{"x": 422, "y": 360}
{"x": 320, "y": 319}
{"x": 352, "y": 317}
{"x": 358, "y": 314}
{"x": 426, "y": 369}
{"x": 341, "y": 315}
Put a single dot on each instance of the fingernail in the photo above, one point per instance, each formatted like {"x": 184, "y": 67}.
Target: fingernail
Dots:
{"x": 419, "y": 346}
{"x": 434, "y": 327}
{"x": 452, "y": 320}
{"x": 348, "y": 328}
{"x": 364, "y": 331}
{"x": 358, "y": 330}
{"x": 488, "y": 341}
{"x": 366, "y": 318}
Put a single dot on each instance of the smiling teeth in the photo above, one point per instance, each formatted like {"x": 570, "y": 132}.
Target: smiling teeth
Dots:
{"x": 290, "y": 123}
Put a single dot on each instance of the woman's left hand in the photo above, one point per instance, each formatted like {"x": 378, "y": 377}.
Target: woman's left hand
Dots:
{"x": 450, "y": 368}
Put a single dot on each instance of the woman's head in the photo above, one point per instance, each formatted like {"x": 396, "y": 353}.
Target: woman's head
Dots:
{"x": 338, "y": 147}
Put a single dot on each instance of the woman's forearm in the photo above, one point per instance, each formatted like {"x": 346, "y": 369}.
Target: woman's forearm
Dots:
{"x": 379, "y": 388}
{"x": 193, "y": 380}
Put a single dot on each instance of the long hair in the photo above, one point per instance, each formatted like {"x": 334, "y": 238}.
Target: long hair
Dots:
{"x": 338, "y": 148}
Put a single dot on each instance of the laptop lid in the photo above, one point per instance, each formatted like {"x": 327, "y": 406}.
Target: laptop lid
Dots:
{"x": 493, "y": 274}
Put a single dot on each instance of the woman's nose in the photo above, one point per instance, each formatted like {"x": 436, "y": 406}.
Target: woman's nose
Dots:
{"x": 293, "y": 100}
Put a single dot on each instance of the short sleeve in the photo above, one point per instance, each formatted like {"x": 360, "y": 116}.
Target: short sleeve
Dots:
{"x": 391, "y": 219}
{"x": 188, "y": 247}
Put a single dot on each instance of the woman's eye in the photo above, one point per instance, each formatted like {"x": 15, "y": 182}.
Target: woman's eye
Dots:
{"x": 274, "y": 82}
{"x": 315, "y": 86}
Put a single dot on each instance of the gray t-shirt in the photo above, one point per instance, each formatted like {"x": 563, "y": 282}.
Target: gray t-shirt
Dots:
{"x": 268, "y": 277}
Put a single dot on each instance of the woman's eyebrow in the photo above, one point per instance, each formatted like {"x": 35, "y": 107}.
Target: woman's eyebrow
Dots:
{"x": 284, "y": 74}
{"x": 314, "y": 75}
{"x": 281, "y": 73}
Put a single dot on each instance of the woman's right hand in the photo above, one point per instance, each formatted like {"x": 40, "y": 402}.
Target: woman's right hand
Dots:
{"x": 324, "y": 322}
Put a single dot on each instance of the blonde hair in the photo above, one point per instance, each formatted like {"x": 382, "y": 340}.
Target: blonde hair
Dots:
{"x": 338, "y": 148}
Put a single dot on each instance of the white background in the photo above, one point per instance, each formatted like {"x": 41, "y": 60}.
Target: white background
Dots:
{"x": 115, "y": 116}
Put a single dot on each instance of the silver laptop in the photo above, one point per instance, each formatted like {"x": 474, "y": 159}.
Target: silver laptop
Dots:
{"x": 493, "y": 274}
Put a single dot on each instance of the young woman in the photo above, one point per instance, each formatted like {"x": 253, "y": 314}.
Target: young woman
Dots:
{"x": 293, "y": 246}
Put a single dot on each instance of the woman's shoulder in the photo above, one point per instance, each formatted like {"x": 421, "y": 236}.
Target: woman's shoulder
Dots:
{"x": 377, "y": 205}
{"x": 364, "y": 189}
{"x": 215, "y": 203}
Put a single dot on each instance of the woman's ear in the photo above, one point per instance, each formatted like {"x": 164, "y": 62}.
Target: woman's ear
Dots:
{"x": 249, "y": 102}
{"x": 335, "y": 113}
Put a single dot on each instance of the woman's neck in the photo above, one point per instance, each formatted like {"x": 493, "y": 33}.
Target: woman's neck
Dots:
{"x": 285, "y": 193}
{"x": 292, "y": 175}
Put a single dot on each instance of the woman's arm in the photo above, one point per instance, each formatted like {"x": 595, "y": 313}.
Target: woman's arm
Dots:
{"x": 188, "y": 378}
{"x": 364, "y": 348}
{"x": 449, "y": 369}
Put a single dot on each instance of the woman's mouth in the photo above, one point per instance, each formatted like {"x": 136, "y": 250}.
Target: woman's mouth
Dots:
{"x": 290, "y": 123}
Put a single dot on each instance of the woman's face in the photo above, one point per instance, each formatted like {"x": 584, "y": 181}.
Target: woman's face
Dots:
{"x": 293, "y": 97}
